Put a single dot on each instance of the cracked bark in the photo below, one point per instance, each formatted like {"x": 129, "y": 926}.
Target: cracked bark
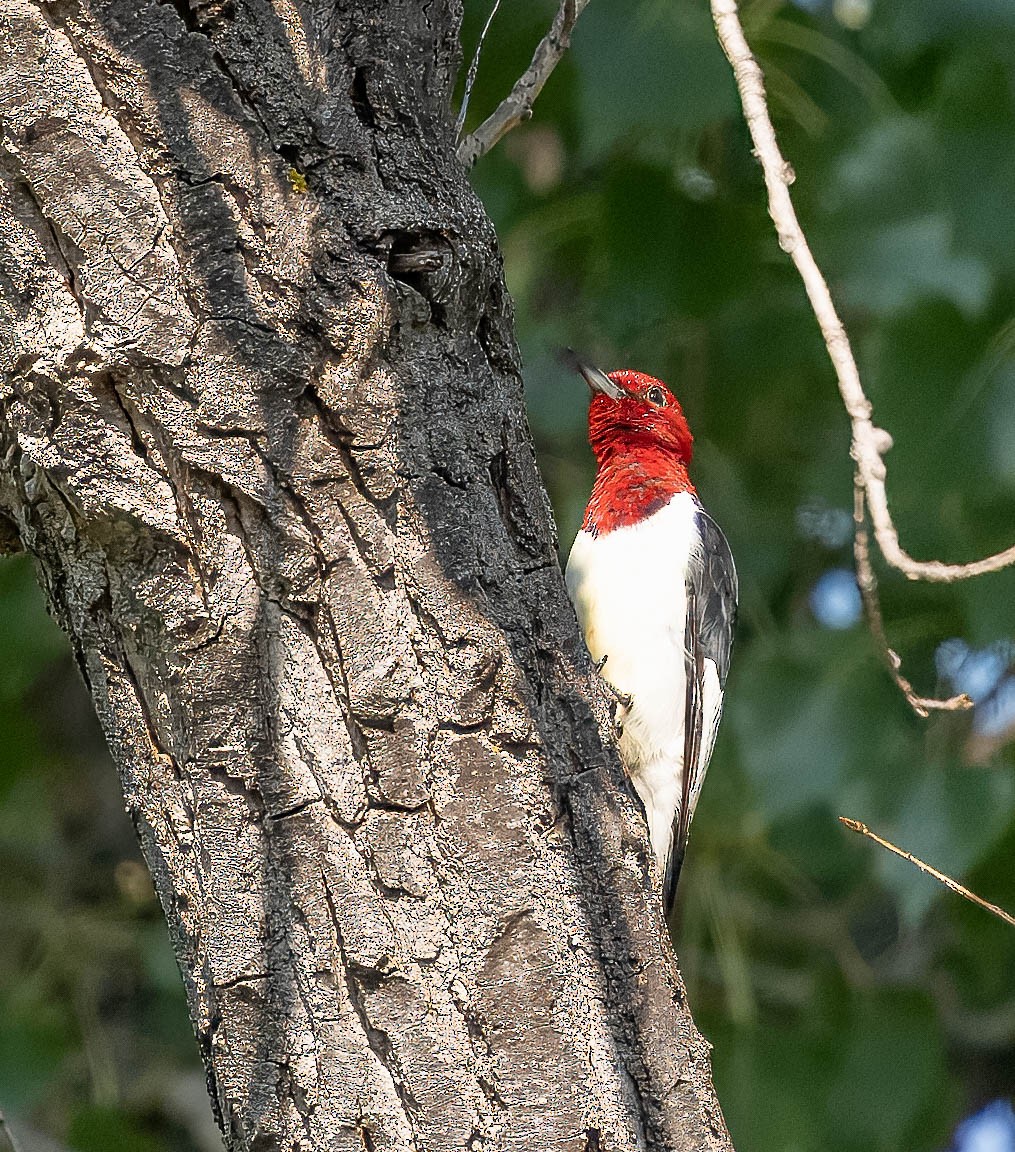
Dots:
{"x": 263, "y": 431}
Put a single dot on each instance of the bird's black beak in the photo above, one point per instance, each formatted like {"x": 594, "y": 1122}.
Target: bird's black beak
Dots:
{"x": 596, "y": 379}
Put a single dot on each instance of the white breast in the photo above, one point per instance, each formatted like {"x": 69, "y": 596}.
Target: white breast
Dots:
{"x": 628, "y": 588}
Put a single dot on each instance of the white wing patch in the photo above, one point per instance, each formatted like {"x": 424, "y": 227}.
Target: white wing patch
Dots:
{"x": 711, "y": 714}
{"x": 710, "y": 694}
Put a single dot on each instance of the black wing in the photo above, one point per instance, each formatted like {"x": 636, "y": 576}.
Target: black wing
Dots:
{"x": 708, "y": 641}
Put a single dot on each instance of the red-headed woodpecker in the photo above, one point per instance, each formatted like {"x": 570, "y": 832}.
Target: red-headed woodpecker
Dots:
{"x": 655, "y": 589}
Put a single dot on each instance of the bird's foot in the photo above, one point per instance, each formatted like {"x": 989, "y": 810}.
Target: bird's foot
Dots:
{"x": 624, "y": 699}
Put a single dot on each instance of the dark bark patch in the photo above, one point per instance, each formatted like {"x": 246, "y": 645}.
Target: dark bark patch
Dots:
{"x": 187, "y": 13}
{"x": 361, "y": 100}
{"x": 202, "y": 16}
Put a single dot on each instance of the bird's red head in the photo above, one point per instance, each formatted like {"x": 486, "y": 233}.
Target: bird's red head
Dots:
{"x": 642, "y": 446}
{"x": 637, "y": 415}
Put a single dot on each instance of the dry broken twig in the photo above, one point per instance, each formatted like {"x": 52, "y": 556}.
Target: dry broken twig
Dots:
{"x": 947, "y": 881}
{"x": 870, "y": 443}
{"x": 517, "y": 105}
{"x": 868, "y": 584}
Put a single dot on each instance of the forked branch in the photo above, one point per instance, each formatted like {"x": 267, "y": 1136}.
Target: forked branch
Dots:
{"x": 869, "y": 443}
{"x": 517, "y": 105}
{"x": 868, "y": 584}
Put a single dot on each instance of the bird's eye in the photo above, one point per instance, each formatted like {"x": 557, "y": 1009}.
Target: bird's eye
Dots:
{"x": 655, "y": 396}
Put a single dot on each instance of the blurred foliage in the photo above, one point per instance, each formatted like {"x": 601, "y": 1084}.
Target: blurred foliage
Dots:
{"x": 852, "y": 1004}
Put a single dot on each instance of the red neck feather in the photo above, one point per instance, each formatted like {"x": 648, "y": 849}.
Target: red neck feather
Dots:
{"x": 629, "y": 488}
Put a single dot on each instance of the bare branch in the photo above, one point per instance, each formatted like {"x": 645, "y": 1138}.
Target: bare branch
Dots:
{"x": 868, "y": 584}
{"x": 870, "y": 443}
{"x": 517, "y": 105}
{"x": 470, "y": 79}
{"x": 947, "y": 881}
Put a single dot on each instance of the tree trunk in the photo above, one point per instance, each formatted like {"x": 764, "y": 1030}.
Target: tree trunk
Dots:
{"x": 264, "y": 432}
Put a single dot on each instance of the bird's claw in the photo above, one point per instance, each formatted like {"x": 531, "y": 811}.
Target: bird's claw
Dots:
{"x": 624, "y": 699}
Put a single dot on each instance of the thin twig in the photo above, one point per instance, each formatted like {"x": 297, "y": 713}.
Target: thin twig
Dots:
{"x": 868, "y": 585}
{"x": 947, "y": 881}
{"x": 470, "y": 78}
{"x": 870, "y": 443}
{"x": 7, "y": 1141}
{"x": 517, "y": 105}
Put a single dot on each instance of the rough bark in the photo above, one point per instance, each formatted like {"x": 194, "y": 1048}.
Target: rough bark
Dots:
{"x": 264, "y": 433}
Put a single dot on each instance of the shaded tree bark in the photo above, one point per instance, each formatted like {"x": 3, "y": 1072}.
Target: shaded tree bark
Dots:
{"x": 264, "y": 433}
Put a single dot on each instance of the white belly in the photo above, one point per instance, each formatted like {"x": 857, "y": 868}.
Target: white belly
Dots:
{"x": 628, "y": 588}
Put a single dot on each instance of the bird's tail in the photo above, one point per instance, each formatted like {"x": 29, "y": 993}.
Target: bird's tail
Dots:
{"x": 673, "y": 866}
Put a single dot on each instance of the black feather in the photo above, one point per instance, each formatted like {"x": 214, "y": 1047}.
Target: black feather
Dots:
{"x": 708, "y": 636}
